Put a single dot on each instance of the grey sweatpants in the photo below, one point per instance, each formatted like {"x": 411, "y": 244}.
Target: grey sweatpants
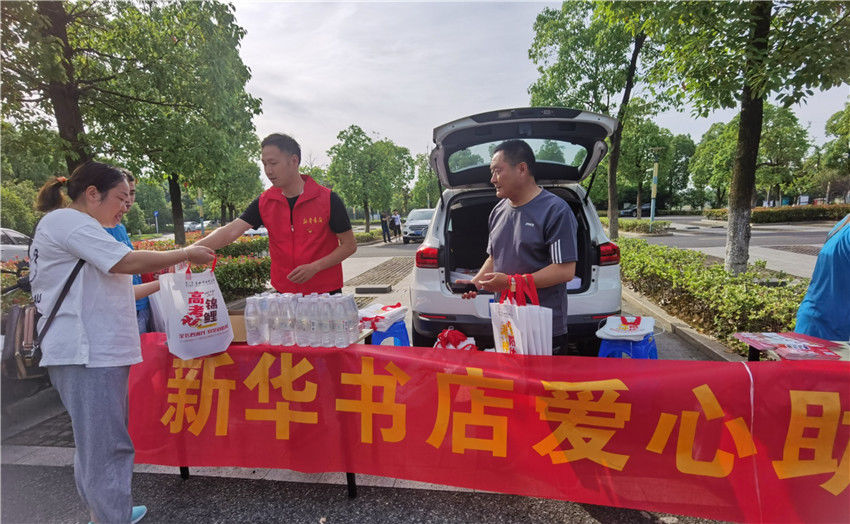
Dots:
{"x": 97, "y": 400}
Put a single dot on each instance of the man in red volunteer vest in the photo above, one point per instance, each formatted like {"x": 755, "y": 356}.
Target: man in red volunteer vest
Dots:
{"x": 309, "y": 231}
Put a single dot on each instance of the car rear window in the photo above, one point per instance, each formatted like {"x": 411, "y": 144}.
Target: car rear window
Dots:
{"x": 549, "y": 151}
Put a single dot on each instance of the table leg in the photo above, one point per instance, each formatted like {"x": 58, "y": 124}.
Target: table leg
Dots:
{"x": 184, "y": 472}
{"x": 352, "y": 485}
{"x": 754, "y": 355}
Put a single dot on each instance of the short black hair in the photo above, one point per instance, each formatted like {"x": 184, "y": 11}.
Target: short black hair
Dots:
{"x": 516, "y": 151}
{"x": 285, "y": 143}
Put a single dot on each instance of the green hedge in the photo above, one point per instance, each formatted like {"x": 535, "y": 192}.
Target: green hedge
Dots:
{"x": 374, "y": 234}
{"x": 246, "y": 246}
{"x": 705, "y": 295}
{"x": 639, "y": 225}
{"x": 241, "y": 276}
{"x": 768, "y": 215}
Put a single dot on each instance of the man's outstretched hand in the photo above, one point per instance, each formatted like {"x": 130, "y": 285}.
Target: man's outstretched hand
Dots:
{"x": 492, "y": 282}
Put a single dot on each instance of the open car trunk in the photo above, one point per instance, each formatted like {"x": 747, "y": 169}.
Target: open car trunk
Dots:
{"x": 467, "y": 234}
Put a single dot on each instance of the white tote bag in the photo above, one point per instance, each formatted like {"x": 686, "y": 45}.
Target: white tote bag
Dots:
{"x": 197, "y": 322}
{"x": 537, "y": 320}
{"x": 507, "y": 331}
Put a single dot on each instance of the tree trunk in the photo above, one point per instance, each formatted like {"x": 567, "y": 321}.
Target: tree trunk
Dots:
{"x": 64, "y": 95}
{"x": 616, "y": 139}
{"x": 749, "y": 136}
{"x": 366, "y": 211}
{"x": 177, "y": 209}
{"x": 828, "y": 188}
{"x": 638, "y": 209}
{"x": 767, "y": 198}
{"x": 222, "y": 214}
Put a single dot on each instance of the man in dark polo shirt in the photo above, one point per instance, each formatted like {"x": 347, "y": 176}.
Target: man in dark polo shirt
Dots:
{"x": 532, "y": 231}
{"x": 309, "y": 231}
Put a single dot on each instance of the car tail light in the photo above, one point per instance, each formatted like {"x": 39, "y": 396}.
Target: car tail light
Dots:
{"x": 426, "y": 257}
{"x": 609, "y": 254}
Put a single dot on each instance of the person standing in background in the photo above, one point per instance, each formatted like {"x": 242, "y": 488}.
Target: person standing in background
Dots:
{"x": 119, "y": 233}
{"x": 385, "y": 227}
{"x": 396, "y": 218}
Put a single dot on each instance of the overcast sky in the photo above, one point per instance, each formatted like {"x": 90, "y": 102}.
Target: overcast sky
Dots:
{"x": 400, "y": 69}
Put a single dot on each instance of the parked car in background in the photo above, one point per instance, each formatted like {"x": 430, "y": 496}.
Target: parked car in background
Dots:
{"x": 630, "y": 210}
{"x": 191, "y": 226}
{"x": 569, "y": 144}
{"x": 259, "y": 232}
{"x": 14, "y": 245}
{"x": 416, "y": 224}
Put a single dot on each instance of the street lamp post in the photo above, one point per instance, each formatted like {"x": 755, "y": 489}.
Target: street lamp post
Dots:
{"x": 655, "y": 151}
{"x": 201, "y": 209}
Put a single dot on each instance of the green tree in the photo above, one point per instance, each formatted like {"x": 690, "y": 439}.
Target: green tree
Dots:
{"x": 588, "y": 59}
{"x": 783, "y": 147}
{"x": 30, "y": 152}
{"x": 157, "y": 86}
{"x": 711, "y": 165}
{"x": 642, "y": 141}
{"x": 18, "y": 211}
{"x": 836, "y": 152}
{"x": 150, "y": 196}
{"x": 465, "y": 158}
{"x": 728, "y": 54}
{"x": 681, "y": 149}
{"x": 426, "y": 188}
{"x": 550, "y": 152}
{"x": 354, "y": 173}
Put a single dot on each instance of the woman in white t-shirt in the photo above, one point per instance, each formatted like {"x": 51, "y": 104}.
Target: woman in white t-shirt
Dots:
{"x": 94, "y": 339}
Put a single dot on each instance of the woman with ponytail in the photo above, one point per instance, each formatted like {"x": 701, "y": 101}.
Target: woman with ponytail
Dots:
{"x": 94, "y": 338}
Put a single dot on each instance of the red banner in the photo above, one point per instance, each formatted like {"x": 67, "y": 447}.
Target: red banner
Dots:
{"x": 756, "y": 441}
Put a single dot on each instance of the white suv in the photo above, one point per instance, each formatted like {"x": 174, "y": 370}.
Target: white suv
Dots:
{"x": 568, "y": 145}
{"x": 416, "y": 225}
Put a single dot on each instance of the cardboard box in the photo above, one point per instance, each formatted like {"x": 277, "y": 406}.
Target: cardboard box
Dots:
{"x": 237, "y": 323}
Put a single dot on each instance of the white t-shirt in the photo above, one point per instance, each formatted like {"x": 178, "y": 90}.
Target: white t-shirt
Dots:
{"x": 96, "y": 323}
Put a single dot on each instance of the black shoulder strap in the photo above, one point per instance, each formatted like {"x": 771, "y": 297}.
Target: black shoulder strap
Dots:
{"x": 37, "y": 343}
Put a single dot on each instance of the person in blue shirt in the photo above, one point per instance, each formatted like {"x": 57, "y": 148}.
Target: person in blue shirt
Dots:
{"x": 119, "y": 233}
{"x": 825, "y": 311}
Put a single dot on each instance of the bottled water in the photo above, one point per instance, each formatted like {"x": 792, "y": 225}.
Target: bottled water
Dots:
{"x": 302, "y": 322}
{"x": 263, "y": 306}
{"x": 340, "y": 335}
{"x": 287, "y": 315}
{"x": 253, "y": 318}
{"x": 352, "y": 319}
{"x": 315, "y": 330}
{"x": 275, "y": 321}
{"x": 326, "y": 321}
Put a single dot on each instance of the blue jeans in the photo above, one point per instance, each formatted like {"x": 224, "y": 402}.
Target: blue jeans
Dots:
{"x": 143, "y": 317}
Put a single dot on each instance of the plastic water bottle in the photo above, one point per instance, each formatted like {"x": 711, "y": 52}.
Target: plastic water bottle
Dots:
{"x": 263, "y": 306}
{"x": 352, "y": 319}
{"x": 326, "y": 321}
{"x": 253, "y": 318}
{"x": 287, "y": 313}
{"x": 340, "y": 335}
{"x": 302, "y": 322}
{"x": 315, "y": 331}
{"x": 275, "y": 320}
